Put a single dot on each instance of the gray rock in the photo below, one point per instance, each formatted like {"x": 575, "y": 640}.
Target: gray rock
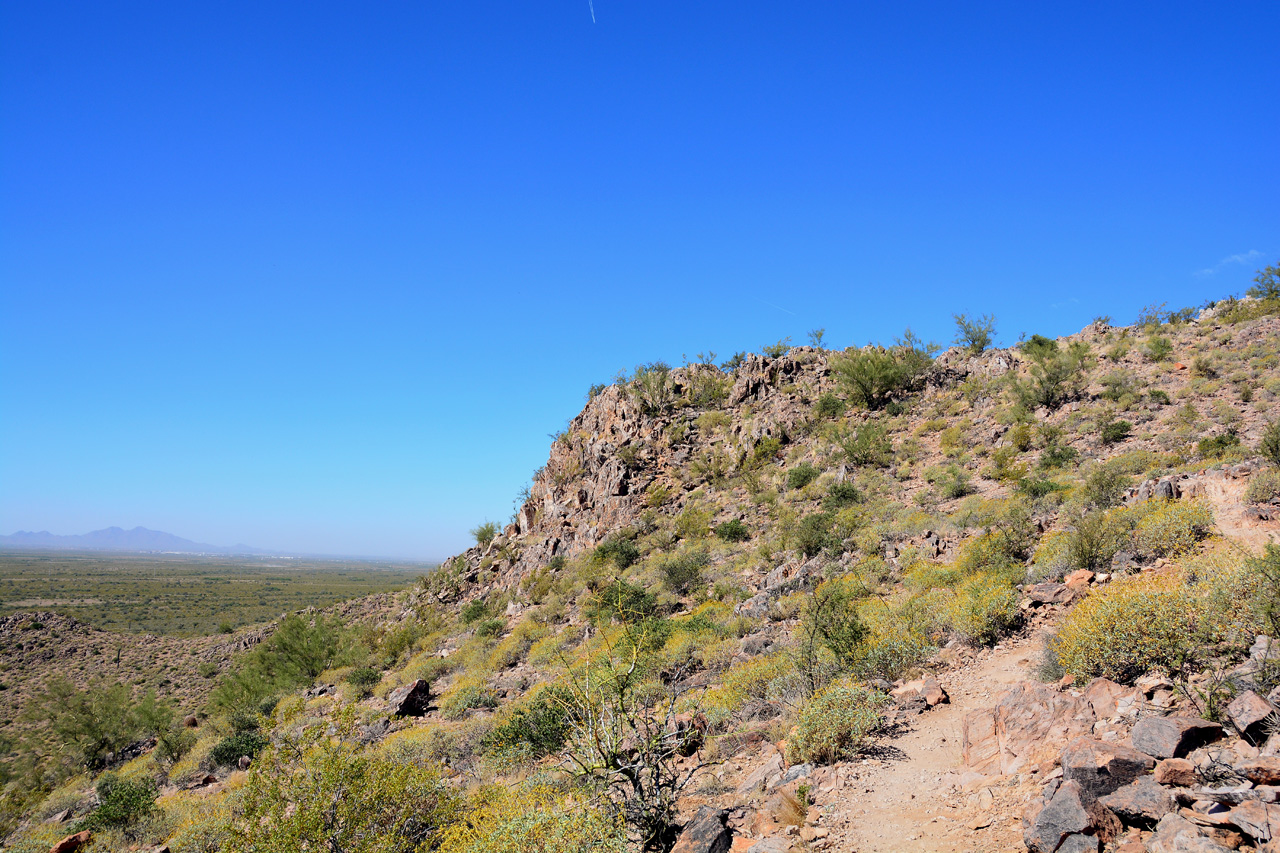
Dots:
{"x": 706, "y": 833}
{"x": 1100, "y": 767}
{"x": 1080, "y": 844}
{"x": 1173, "y": 737}
{"x": 1140, "y": 803}
{"x": 411, "y": 700}
{"x": 1070, "y": 811}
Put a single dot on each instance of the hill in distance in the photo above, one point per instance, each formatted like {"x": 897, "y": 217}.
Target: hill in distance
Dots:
{"x": 119, "y": 539}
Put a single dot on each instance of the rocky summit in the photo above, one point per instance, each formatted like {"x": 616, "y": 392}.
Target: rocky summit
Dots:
{"x": 875, "y": 599}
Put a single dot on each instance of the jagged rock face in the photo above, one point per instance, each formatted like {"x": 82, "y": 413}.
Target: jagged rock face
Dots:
{"x": 597, "y": 471}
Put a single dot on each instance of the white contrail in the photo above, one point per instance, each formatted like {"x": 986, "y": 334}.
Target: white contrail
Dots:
{"x": 592, "y": 7}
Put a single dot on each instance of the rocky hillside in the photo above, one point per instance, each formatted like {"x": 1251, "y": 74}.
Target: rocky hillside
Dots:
{"x": 872, "y": 599}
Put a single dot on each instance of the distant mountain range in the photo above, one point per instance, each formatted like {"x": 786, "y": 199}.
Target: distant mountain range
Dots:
{"x": 119, "y": 539}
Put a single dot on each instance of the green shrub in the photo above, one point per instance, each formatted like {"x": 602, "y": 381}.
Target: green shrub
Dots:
{"x": 618, "y": 549}
{"x": 299, "y": 650}
{"x": 829, "y": 406}
{"x": 1093, "y": 542}
{"x": 485, "y": 533}
{"x": 1217, "y": 446}
{"x": 683, "y": 571}
{"x": 1057, "y": 375}
{"x": 538, "y": 728}
{"x": 468, "y": 693}
{"x": 1263, "y": 488}
{"x": 229, "y": 750}
{"x": 874, "y": 375}
{"x": 1131, "y": 626}
{"x": 1057, "y": 455}
{"x": 835, "y": 723}
{"x": 814, "y": 532}
{"x": 490, "y": 628}
{"x": 777, "y": 350}
{"x": 474, "y": 610}
{"x": 766, "y": 450}
{"x": 1158, "y": 348}
{"x": 733, "y": 530}
{"x": 953, "y": 482}
{"x": 1160, "y": 398}
{"x": 1174, "y": 528}
{"x": 319, "y": 792}
{"x": 364, "y": 679}
{"x": 622, "y": 602}
{"x": 801, "y": 476}
{"x": 841, "y": 495}
{"x": 1269, "y": 446}
{"x": 974, "y": 333}
{"x": 532, "y": 818}
{"x": 1266, "y": 284}
{"x": 1105, "y": 484}
{"x": 985, "y": 609}
{"x": 121, "y": 802}
{"x": 1115, "y": 431}
{"x": 867, "y": 444}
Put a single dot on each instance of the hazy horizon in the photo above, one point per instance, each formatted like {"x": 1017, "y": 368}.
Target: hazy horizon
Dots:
{"x": 323, "y": 279}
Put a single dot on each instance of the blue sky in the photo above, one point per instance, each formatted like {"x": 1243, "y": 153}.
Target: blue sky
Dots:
{"x": 323, "y": 277}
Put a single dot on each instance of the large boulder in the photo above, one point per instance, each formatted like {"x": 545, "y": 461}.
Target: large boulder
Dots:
{"x": 1070, "y": 811}
{"x": 1176, "y": 834}
{"x": 411, "y": 700}
{"x": 1026, "y": 728}
{"x": 1140, "y": 803}
{"x": 1101, "y": 768}
{"x": 1248, "y": 712}
{"x": 708, "y": 832}
{"x": 1173, "y": 737}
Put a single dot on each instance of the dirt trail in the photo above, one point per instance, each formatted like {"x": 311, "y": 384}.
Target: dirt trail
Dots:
{"x": 915, "y": 798}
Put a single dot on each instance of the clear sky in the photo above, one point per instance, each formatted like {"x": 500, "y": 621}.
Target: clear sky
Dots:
{"x": 323, "y": 277}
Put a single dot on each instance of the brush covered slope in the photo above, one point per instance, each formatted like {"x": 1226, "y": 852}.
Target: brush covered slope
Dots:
{"x": 767, "y": 605}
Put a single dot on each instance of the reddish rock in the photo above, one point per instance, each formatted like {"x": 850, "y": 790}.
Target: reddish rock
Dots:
{"x": 1263, "y": 770}
{"x": 1177, "y": 772}
{"x": 1105, "y": 697}
{"x": 1247, "y": 713}
{"x": 1255, "y": 819}
{"x": 1176, "y": 834}
{"x": 72, "y": 843}
{"x": 1026, "y": 728}
{"x": 1100, "y": 767}
{"x": 1173, "y": 737}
